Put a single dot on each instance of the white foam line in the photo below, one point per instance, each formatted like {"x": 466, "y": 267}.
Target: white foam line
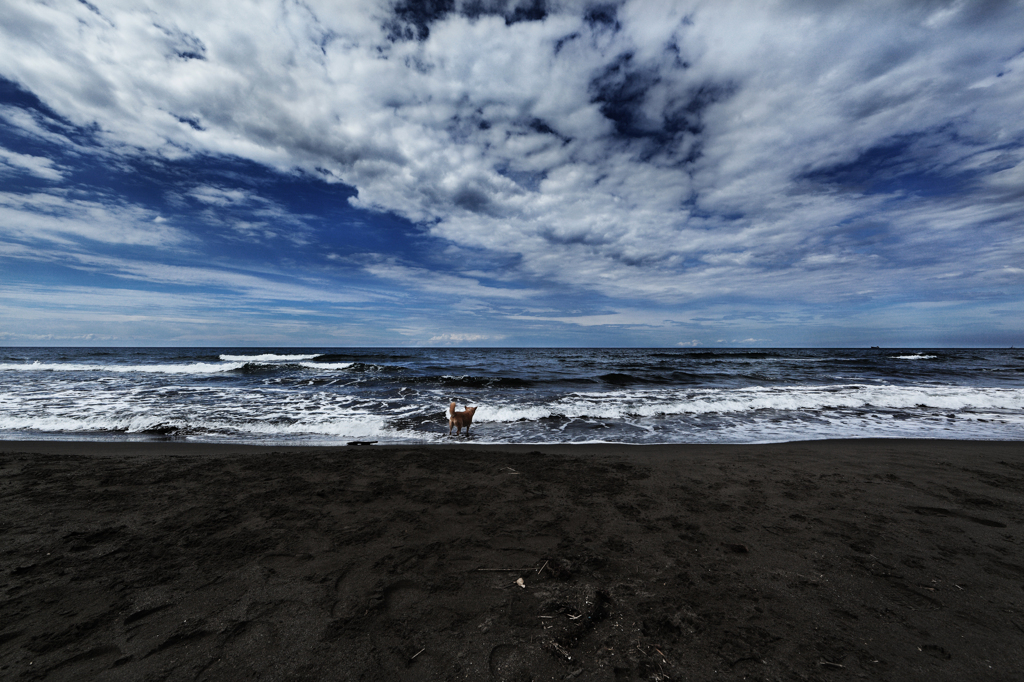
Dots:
{"x": 135, "y": 423}
{"x": 327, "y": 365}
{"x": 191, "y": 368}
{"x": 619, "y": 405}
{"x": 268, "y": 357}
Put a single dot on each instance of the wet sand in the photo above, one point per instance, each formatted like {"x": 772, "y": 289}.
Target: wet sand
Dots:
{"x": 828, "y": 560}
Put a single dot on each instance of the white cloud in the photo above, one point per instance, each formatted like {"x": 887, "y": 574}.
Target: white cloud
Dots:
{"x": 453, "y": 339}
{"x": 248, "y": 216}
{"x": 452, "y": 287}
{"x": 697, "y": 151}
{"x": 65, "y": 219}
{"x": 624, "y": 318}
{"x": 251, "y": 287}
{"x": 217, "y": 196}
{"x": 82, "y": 314}
{"x": 38, "y": 166}
{"x": 1010, "y": 179}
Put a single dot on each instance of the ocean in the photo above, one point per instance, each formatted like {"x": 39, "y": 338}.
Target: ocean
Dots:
{"x": 330, "y": 396}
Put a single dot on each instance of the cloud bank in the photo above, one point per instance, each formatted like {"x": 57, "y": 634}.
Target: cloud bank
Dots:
{"x": 667, "y": 156}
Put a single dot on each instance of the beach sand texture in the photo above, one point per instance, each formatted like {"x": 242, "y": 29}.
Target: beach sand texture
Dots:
{"x": 827, "y": 560}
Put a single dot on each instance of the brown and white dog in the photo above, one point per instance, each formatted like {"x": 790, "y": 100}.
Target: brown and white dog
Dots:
{"x": 460, "y": 419}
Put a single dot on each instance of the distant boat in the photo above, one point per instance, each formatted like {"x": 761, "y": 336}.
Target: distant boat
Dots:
{"x": 874, "y": 347}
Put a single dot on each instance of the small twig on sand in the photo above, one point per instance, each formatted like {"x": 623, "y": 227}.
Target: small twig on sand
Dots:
{"x": 542, "y": 568}
{"x": 830, "y": 664}
{"x": 505, "y": 570}
{"x": 560, "y": 650}
{"x": 418, "y": 653}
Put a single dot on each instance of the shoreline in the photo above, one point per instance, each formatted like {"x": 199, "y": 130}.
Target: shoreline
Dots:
{"x": 880, "y": 558}
{"x": 124, "y": 447}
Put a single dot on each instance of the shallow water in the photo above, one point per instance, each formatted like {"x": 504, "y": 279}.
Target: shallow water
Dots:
{"x": 330, "y": 396}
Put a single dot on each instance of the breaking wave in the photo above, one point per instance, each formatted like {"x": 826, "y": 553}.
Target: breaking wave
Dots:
{"x": 524, "y": 396}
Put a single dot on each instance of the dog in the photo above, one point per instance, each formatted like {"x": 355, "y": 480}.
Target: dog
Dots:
{"x": 460, "y": 419}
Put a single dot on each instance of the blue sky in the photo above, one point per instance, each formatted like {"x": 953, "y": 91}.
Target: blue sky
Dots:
{"x": 502, "y": 173}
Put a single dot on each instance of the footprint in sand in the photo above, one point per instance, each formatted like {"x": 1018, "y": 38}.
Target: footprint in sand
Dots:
{"x": 508, "y": 663}
{"x": 403, "y": 598}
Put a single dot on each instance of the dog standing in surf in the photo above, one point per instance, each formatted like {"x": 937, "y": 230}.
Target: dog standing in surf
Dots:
{"x": 460, "y": 419}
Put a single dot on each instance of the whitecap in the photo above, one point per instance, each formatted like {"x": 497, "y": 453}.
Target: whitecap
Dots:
{"x": 268, "y": 357}
{"x": 190, "y": 368}
{"x": 327, "y": 365}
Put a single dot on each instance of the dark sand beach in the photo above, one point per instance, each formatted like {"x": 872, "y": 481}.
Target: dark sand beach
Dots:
{"x": 827, "y": 560}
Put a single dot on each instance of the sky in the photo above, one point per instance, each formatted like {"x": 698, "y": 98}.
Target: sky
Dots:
{"x": 512, "y": 173}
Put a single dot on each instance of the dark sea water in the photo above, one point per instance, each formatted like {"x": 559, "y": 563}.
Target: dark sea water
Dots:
{"x": 400, "y": 395}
